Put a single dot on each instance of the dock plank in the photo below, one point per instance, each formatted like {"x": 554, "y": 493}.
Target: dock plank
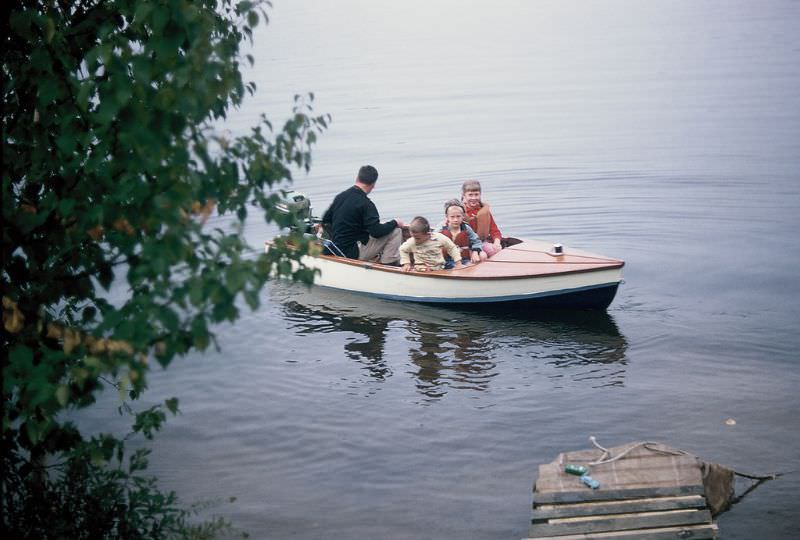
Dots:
{"x": 694, "y": 532}
{"x": 649, "y": 520}
{"x": 615, "y": 494}
{"x": 548, "y": 511}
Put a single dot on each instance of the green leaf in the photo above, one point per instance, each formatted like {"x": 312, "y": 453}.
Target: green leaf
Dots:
{"x": 49, "y": 29}
{"x": 21, "y": 358}
{"x": 88, "y": 314}
{"x": 235, "y": 278}
{"x": 66, "y": 206}
{"x": 94, "y": 362}
{"x": 196, "y": 293}
{"x": 97, "y": 457}
{"x": 172, "y": 405}
{"x": 143, "y": 10}
{"x": 200, "y": 337}
{"x": 169, "y": 319}
{"x": 252, "y": 299}
{"x": 62, "y": 395}
{"x": 252, "y": 19}
{"x": 160, "y": 16}
{"x": 34, "y": 430}
{"x": 49, "y": 89}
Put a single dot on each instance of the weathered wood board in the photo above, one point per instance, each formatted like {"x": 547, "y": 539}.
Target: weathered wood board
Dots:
{"x": 649, "y": 491}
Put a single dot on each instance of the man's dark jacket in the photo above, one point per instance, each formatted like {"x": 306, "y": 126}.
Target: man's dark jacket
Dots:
{"x": 352, "y": 217}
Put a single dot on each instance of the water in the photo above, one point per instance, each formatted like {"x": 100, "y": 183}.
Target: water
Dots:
{"x": 663, "y": 133}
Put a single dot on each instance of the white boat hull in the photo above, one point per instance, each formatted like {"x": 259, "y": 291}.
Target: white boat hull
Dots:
{"x": 516, "y": 277}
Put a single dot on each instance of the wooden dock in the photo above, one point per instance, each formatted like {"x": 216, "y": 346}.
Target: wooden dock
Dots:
{"x": 646, "y": 491}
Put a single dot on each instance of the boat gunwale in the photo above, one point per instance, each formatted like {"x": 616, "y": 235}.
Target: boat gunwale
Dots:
{"x": 449, "y": 274}
{"x": 607, "y": 264}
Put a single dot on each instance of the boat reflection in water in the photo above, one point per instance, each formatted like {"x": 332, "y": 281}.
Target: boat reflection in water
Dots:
{"x": 447, "y": 349}
{"x": 448, "y": 355}
{"x": 368, "y": 349}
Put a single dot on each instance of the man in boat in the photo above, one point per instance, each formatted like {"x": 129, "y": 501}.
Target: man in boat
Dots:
{"x": 353, "y": 224}
{"x": 480, "y": 218}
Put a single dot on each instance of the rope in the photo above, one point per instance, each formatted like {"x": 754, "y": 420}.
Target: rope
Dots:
{"x": 758, "y": 481}
{"x": 607, "y": 458}
{"x": 759, "y": 477}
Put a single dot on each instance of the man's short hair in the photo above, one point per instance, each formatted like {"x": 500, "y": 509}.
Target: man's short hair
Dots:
{"x": 367, "y": 175}
{"x": 454, "y": 202}
{"x": 470, "y": 185}
{"x": 419, "y": 225}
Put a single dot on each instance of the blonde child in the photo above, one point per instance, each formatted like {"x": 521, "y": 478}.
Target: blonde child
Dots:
{"x": 461, "y": 234}
{"x": 426, "y": 247}
{"x": 479, "y": 217}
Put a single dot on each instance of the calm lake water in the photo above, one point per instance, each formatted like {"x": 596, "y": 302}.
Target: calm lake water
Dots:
{"x": 664, "y": 133}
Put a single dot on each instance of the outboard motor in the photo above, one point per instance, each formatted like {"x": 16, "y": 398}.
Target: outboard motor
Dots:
{"x": 297, "y": 207}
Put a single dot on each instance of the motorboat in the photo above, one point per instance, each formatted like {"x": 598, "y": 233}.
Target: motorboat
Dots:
{"x": 526, "y": 273}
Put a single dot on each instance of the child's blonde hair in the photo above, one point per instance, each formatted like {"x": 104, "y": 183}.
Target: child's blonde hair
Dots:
{"x": 470, "y": 185}
{"x": 419, "y": 225}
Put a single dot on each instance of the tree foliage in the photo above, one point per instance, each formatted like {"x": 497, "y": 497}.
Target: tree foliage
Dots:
{"x": 112, "y": 162}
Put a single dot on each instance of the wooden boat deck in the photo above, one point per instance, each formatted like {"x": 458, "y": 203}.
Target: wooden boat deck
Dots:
{"x": 527, "y": 259}
{"x": 651, "y": 492}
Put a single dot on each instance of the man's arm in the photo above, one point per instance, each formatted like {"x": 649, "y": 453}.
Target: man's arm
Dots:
{"x": 372, "y": 223}
{"x": 327, "y": 217}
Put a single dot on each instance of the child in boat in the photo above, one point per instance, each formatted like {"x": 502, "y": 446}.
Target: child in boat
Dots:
{"x": 461, "y": 234}
{"x": 426, "y": 248}
{"x": 479, "y": 217}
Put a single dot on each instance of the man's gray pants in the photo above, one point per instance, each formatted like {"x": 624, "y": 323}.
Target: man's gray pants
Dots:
{"x": 385, "y": 250}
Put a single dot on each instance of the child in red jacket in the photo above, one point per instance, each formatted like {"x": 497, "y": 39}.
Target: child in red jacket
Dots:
{"x": 479, "y": 217}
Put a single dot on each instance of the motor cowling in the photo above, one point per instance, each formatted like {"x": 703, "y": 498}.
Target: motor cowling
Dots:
{"x": 297, "y": 208}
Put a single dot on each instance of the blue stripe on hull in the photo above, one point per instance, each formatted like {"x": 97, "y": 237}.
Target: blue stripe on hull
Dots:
{"x": 591, "y": 297}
